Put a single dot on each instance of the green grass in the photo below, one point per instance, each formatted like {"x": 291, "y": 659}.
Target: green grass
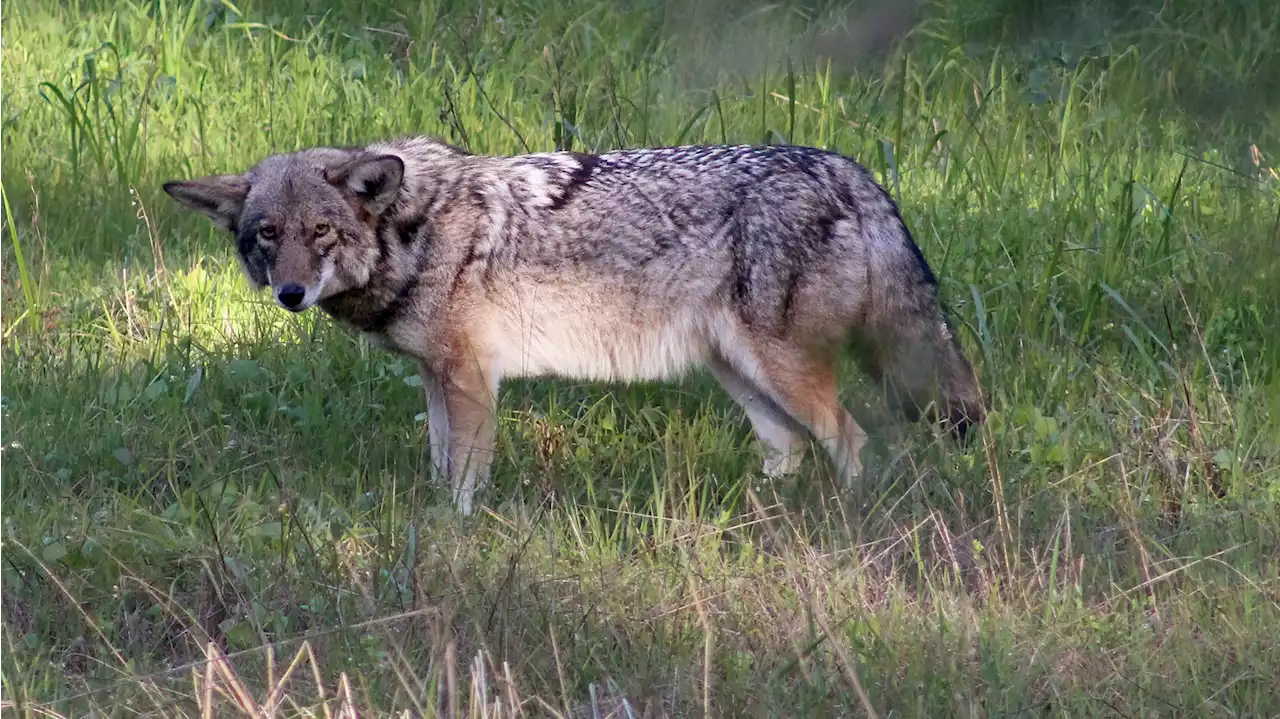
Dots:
{"x": 185, "y": 464}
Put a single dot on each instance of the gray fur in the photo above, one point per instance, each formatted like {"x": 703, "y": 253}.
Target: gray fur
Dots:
{"x": 759, "y": 263}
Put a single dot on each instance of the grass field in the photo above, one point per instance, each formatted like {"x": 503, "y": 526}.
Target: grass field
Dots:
{"x": 191, "y": 473}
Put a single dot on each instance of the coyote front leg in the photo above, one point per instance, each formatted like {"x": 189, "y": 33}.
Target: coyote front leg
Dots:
{"x": 437, "y": 426}
{"x": 461, "y": 431}
{"x": 470, "y": 401}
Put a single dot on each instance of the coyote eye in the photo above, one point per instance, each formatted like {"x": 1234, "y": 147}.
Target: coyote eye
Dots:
{"x": 267, "y": 232}
{"x": 322, "y": 229}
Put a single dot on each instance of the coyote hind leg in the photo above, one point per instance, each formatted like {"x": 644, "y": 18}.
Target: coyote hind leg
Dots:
{"x": 802, "y": 384}
{"x": 780, "y": 436}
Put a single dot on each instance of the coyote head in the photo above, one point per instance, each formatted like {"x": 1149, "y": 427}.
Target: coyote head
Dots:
{"x": 305, "y": 223}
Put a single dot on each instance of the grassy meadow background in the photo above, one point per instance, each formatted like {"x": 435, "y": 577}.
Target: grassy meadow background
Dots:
{"x": 213, "y": 507}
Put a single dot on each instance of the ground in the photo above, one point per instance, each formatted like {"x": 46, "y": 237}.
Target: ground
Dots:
{"x": 191, "y": 473}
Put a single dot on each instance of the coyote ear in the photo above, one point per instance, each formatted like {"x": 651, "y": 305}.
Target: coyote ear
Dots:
{"x": 374, "y": 180}
{"x": 219, "y": 197}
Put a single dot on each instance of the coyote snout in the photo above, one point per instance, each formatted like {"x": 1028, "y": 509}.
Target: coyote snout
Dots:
{"x": 292, "y": 296}
{"x": 756, "y": 263}
{"x": 302, "y": 271}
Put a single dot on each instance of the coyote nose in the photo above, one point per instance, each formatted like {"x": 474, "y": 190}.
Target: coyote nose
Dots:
{"x": 291, "y": 295}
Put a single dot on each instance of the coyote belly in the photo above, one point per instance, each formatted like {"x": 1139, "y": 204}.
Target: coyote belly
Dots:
{"x": 593, "y": 333}
{"x": 756, "y": 263}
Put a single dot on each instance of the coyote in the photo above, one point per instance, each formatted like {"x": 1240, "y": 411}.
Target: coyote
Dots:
{"x": 758, "y": 263}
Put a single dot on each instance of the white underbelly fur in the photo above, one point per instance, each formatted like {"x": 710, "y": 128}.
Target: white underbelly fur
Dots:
{"x": 592, "y": 341}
